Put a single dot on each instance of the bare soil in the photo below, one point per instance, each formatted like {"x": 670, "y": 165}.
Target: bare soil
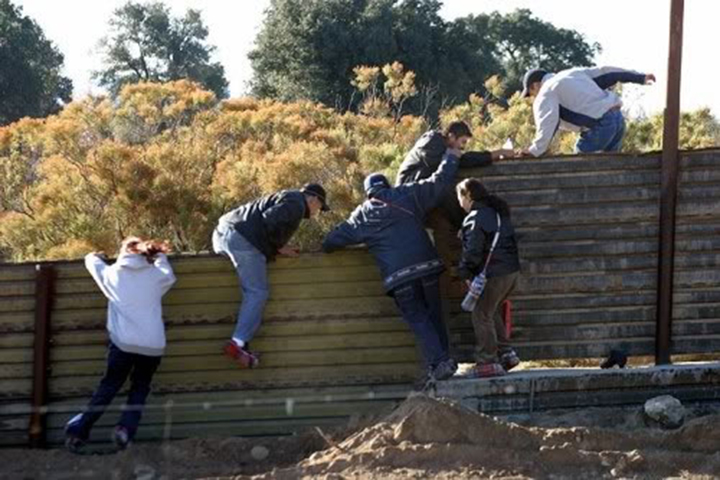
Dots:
{"x": 421, "y": 438}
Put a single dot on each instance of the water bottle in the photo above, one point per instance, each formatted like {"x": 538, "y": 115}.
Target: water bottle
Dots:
{"x": 476, "y": 289}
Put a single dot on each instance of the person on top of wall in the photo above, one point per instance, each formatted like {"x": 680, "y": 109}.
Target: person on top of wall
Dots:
{"x": 250, "y": 236}
{"x": 486, "y": 214}
{"x": 134, "y": 286}
{"x": 579, "y": 100}
{"x": 391, "y": 222}
{"x": 427, "y": 153}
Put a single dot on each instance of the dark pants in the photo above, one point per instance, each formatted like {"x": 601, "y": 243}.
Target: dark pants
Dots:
{"x": 487, "y": 321}
{"x": 419, "y": 302}
{"x": 120, "y": 365}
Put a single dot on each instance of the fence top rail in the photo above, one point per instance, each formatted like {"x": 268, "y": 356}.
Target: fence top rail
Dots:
{"x": 604, "y": 161}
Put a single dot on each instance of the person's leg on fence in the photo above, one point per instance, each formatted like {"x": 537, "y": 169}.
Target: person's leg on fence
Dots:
{"x": 251, "y": 267}
{"x": 410, "y": 299}
{"x": 603, "y": 136}
{"x": 119, "y": 365}
{"x": 448, "y": 246}
{"x": 433, "y": 301}
{"x": 140, "y": 378}
{"x": 615, "y": 144}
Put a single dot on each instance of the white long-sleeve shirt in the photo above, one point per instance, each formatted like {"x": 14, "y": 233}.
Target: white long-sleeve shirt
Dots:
{"x": 134, "y": 289}
{"x": 575, "y": 100}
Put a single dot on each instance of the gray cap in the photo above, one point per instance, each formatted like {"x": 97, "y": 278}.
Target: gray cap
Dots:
{"x": 531, "y": 76}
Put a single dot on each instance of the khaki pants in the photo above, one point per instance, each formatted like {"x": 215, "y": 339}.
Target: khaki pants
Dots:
{"x": 487, "y": 321}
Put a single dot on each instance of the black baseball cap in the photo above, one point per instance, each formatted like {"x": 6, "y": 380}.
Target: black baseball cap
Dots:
{"x": 316, "y": 190}
{"x": 531, "y": 76}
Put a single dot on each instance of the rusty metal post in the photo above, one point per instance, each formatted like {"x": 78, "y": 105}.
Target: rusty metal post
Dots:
{"x": 44, "y": 275}
{"x": 669, "y": 185}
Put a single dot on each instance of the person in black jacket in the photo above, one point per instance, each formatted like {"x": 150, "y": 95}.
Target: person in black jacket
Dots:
{"x": 486, "y": 214}
{"x": 391, "y": 222}
{"x": 250, "y": 236}
{"x": 428, "y": 152}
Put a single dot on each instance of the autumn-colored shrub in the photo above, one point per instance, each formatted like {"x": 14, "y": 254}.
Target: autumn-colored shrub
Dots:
{"x": 166, "y": 160}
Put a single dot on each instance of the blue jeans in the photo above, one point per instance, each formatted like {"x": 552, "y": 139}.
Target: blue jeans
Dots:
{"x": 120, "y": 365}
{"x": 251, "y": 267}
{"x": 420, "y": 304}
{"x": 606, "y": 136}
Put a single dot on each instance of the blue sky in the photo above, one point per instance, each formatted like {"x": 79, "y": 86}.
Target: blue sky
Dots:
{"x": 633, "y": 34}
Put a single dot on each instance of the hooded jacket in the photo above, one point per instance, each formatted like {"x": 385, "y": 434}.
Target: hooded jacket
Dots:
{"x": 427, "y": 153}
{"x": 424, "y": 159}
{"x": 575, "y": 100}
{"x": 134, "y": 289}
{"x": 478, "y": 232}
{"x": 391, "y": 223}
{"x": 269, "y": 222}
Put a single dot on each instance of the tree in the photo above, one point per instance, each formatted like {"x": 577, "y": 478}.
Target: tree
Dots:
{"x": 147, "y": 44}
{"x": 522, "y": 42}
{"x": 398, "y": 87}
{"x": 307, "y": 49}
{"x": 30, "y": 80}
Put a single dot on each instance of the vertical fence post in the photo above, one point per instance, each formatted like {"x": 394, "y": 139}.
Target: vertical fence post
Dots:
{"x": 44, "y": 276}
{"x": 669, "y": 186}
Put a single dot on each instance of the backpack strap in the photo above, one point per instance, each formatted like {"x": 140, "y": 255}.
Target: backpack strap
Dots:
{"x": 494, "y": 243}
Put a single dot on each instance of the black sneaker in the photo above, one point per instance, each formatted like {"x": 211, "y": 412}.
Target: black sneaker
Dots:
{"x": 74, "y": 444}
{"x": 121, "y": 437}
{"x": 616, "y": 357}
{"x": 445, "y": 369}
{"x": 509, "y": 360}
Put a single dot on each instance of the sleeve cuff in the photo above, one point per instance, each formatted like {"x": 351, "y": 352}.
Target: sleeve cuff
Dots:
{"x": 535, "y": 150}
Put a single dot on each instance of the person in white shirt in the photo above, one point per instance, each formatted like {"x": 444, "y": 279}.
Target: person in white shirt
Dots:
{"x": 579, "y": 100}
{"x": 134, "y": 286}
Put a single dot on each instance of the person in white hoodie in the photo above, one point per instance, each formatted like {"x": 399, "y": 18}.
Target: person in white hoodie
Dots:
{"x": 134, "y": 286}
{"x": 579, "y": 100}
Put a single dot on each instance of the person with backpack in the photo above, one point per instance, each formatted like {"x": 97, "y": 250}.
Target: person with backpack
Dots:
{"x": 489, "y": 249}
{"x": 391, "y": 223}
{"x": 134, "y": 286}
{"x": 251, "y": 236}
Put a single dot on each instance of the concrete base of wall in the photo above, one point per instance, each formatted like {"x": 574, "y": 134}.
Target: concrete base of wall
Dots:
{"x": 533, "y": 390}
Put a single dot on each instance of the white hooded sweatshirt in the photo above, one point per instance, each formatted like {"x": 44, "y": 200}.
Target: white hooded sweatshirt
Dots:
{"x": 575, "y": 100}
{"x": 134, "y": 289}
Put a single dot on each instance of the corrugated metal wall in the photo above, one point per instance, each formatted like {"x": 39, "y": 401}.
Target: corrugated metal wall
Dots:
{"x": 329, "y": 341}
{"x": 17, "y": 317}
{"x": 588, "y": 236}
{"x": 696, "y": 289}
{"x": 333, "y": 345}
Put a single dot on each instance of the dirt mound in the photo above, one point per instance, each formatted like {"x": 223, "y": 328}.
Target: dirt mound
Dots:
{"x": 191, "y": 458}
{"x": 422, "y": 438}
{"x": 425, "y": 436}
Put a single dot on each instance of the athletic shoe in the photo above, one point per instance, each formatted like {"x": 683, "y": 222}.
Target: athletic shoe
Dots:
{"x": 121, "y": 437}
{"x": 487, "y": 370}
{"x": 244, "y": 357}
{"x": 509, "y": 360}
{"x": 445, "y": 369}
{"x": 74, "y": 444}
